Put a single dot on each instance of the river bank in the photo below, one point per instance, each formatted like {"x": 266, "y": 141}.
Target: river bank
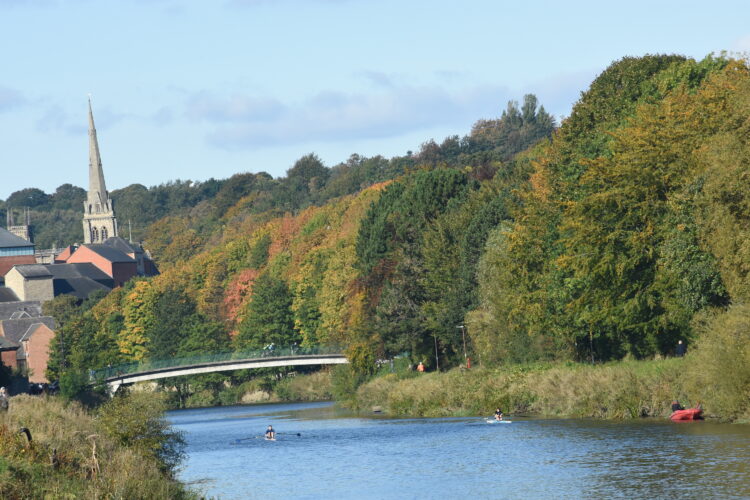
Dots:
{"x": 70, "y": 453}
{"x": 617, "y": 390}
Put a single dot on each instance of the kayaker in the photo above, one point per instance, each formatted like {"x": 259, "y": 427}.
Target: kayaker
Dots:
{"x": 676, "y": 406}
{"x": 498, "y": 414}
{"x": 270, "y": 433}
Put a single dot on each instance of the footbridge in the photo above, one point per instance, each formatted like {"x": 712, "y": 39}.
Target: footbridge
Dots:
{"x": 116, "y": 376}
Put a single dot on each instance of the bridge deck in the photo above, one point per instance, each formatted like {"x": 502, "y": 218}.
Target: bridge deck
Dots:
{"x": 226, "y": 365}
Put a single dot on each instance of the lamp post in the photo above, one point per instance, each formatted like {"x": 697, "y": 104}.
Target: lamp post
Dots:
{"x": 437, "y": 358}
{"x": 463, "y": 336}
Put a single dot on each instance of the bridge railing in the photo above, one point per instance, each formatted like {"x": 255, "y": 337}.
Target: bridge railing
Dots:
{"x": 161, "y": 364}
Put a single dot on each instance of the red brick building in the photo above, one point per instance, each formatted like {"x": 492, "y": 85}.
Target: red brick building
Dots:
{"x": 114, "y": 263}
{"x": 32, "y": 333}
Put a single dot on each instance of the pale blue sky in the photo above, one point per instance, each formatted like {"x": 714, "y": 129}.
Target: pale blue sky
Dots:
{"x": 199, "y": 89}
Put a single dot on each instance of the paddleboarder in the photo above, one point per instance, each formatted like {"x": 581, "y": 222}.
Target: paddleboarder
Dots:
{"x": 498, "y": 414}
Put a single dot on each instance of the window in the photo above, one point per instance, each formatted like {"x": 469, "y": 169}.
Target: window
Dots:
{"x": 104, "y": 233}
{"x": 94, "y": 234}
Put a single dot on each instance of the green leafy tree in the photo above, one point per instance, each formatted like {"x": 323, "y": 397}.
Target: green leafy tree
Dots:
{"x": 269, "y": 318}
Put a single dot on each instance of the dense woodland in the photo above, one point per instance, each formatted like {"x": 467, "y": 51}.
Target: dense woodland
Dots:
{"x": 612, "y": 236}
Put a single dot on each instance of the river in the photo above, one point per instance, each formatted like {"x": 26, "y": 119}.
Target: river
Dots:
{"x": 324, "y": 452}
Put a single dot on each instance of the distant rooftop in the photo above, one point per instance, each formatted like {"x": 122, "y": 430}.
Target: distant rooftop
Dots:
{"x": 15, "y": 329}
{"x": 8, "y": 345}
{"x": 110, "y": 253}
{"x": 79, "y": 279}
{"x": 7, "y": 295}
{"x": 32, "y": 308}
{"x": 10, "y": 240}
{"x": 122, "y": 245}
{"x": 33, "y": 271}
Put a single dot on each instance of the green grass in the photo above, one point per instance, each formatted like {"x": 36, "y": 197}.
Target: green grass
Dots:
{"x": 716, "y": 373}
{"x": 626, "y": 389}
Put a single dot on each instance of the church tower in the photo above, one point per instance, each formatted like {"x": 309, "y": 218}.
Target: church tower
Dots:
{"x": 99, "y": 222}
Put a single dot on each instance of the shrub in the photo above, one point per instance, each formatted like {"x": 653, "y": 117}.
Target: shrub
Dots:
{"x": 720, "y": 364}
{"x": 136, "y": 420}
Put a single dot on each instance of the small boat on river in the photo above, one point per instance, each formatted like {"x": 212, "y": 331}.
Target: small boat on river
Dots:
{"x": 687, "y": 414}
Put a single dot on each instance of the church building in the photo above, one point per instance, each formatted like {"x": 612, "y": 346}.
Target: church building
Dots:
{"x": 103, "y": 261}
{"x": 99, "y": 221}
{"x": 29, "y": 278}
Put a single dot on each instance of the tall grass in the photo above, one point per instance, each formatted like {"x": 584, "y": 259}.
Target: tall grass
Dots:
{"x": 715, "y": 373}
{"x": 626, "y": 389}
{"x": 72, "y": 456}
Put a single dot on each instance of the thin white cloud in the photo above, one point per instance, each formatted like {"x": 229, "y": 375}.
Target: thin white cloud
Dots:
{"x": 392, "y": 109}
{"x": 334, "y": 116}
{"x": 237, "y": 108}
{"x": 10, "y": 99}
{"x": 379, "y": 79}
{"x": 55, "y": 119}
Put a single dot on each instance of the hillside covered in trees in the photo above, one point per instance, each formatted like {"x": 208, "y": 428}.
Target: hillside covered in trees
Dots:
{"x": 614, "y": 236}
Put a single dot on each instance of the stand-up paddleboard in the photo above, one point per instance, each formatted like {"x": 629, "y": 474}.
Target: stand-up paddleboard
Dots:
{"x": 493, "y": 421}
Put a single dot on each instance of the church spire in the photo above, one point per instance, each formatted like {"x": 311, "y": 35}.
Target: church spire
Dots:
{"x": 99, "y": 222}
{"x": 97, "y": 188}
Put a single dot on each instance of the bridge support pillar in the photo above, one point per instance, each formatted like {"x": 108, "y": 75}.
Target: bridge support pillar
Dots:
{"x": 113, "y": 386}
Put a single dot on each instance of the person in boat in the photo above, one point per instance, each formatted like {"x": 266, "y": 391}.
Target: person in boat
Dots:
{"x": 676, "y": 406}
{"x": 498, "y": 414}
{"x": 270, "y": 433}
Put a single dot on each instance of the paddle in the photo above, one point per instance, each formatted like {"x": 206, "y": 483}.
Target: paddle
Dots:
{"x": 239, "y": 440}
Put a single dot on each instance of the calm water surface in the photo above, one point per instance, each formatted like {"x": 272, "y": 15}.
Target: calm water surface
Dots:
{"x": 339, "y": 455}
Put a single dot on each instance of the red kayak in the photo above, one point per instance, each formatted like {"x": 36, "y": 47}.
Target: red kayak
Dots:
{"x": 687, "y": 414}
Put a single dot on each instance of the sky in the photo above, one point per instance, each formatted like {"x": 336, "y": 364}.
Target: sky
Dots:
{"x": 197, "y": 89}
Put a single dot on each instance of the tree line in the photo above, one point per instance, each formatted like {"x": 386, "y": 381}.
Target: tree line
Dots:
{"x": 615, "y": 235}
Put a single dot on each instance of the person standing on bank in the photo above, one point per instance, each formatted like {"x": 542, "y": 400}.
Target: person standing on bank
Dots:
{"x": 3, "y": 399}
{"x": 681, "y": 349}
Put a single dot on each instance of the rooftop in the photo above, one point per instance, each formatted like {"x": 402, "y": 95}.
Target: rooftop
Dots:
{"x": 10, "y": 240}
{"x": 33, "y": 271}
{"x": 79, "y": 279}
{"x": 32, "y": 308}
{"x": 110, "y": 253}
{"x": 15, "y": 329}
{"x": 7, "y": 295}
{"x": 122, "y": 245}
{"x": 7, "y": 263}
{"x": 8, "y": 345}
